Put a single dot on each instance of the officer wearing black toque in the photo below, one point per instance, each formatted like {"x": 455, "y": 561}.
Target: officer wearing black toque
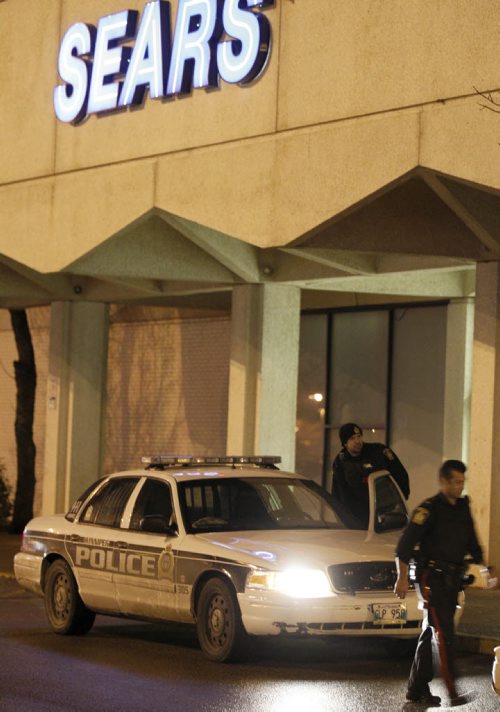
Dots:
{"x": 443, "y": 529}
{"x": 355, "y": 461}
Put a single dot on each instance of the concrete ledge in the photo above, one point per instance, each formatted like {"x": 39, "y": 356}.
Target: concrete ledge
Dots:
{"x": 471, "y": 644}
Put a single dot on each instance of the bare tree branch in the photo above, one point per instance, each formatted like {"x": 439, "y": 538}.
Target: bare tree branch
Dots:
{"x": 489, "y": 97}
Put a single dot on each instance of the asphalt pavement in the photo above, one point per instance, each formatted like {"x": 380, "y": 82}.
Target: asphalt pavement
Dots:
{"x": 131, "y": 666}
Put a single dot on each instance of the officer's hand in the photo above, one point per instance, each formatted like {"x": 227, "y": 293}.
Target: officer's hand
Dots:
{"x": 401, "y": 587}
{"x": 489, "y": 577}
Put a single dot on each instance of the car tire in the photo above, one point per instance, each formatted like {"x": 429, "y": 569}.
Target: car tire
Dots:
{"x": 66, "y": 612}
{"x": 219, "y": 627}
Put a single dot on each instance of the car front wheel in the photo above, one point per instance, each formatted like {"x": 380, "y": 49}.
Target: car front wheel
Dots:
{"x": 220, "y": 631}
{"x": 65, "y": 610}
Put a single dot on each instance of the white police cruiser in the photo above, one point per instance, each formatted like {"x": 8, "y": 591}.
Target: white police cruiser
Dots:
{"x": 228, "y": 543}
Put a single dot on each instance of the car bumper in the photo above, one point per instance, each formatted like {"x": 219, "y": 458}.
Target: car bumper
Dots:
{"x": 271, "y": 614}
{"x": 28, "y": 570}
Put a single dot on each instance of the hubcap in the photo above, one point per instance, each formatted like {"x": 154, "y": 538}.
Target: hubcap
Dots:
{"x": 218, "y": 621}
{"x": 61, "y": 597}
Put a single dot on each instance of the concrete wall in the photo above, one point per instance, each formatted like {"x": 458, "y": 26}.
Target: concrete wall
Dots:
{"x": 167, "y": 390}
{"x": 354, "y": 96}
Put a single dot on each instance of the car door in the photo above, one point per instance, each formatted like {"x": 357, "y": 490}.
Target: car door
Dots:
{"x": 388, "y": 511}
{"x": 96, "y": 546}
{"x": 146, "y": 587}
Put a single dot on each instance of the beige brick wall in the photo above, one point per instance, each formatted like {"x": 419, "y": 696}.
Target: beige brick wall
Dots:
{"x": 167, "y": 389}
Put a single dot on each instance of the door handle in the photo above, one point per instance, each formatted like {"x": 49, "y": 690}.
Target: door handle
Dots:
{"x": 121, "y": 545}
{"x": 76, "y": 537}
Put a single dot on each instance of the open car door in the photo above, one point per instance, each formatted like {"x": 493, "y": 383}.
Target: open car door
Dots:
{"x": 388, "y": 510}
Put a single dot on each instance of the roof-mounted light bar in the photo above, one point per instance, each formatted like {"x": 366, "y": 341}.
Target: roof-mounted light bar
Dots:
{"x": 172, "y": 460}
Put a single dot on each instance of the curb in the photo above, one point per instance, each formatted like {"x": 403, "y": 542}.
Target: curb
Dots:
{"x": 472, "y": 644}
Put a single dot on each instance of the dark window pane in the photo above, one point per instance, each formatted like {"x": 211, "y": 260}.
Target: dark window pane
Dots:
{"x": 81, "y": 499}
{"x": 358, "y": 382}
{"x": 390, "y": 511}
{"x": 418, "y": 394}
{"x": 311, "y": 396}
{"x": 154, "y": 498}
{"x": 235, "y": 504}
{"x": 359, "y": 370}
{"x": 106, "y": 507}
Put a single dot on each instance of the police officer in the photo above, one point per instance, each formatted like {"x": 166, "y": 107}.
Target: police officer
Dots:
{"x": 442, "y": 526}
{"x": 355, "y": 461}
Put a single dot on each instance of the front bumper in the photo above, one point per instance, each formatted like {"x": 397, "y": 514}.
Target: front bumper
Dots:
{"x": 270, "y": 613}
{"x": 28, "y": 571}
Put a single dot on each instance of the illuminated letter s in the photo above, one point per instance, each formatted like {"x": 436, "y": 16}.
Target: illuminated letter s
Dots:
{"x": 70, "y": 99}
{"x": 243, "y": 58}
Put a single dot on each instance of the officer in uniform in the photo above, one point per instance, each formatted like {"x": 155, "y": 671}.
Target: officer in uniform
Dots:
{"x": 355, "y": 461}
{"x": 443, "y": 528}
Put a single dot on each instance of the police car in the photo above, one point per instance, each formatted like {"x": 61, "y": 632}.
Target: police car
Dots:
{"x": 230, "y": 544}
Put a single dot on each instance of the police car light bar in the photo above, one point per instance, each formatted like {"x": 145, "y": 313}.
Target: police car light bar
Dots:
{"x": 163, "y": 460}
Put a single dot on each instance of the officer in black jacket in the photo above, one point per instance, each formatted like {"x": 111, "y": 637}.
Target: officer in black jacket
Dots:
{"x": 443, "y": 528}
{"x": 355, "y": 461}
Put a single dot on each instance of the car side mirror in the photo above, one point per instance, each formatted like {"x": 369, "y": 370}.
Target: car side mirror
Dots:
{"x": 390, "y": 520}
{"x": 157, "y": 524}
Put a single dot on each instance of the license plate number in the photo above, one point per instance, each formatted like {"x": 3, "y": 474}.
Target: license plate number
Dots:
{"x": 383, "y": 613}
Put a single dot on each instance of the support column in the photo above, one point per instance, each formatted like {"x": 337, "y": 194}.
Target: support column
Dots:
{"x": 458, "y": 379}
{"x": 75, "y": 399}
{"x": 484, "y": 474}
{"x": 264, "y": 371}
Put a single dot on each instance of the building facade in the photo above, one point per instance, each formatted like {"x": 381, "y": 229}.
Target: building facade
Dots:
{"x": 222, "y": 215}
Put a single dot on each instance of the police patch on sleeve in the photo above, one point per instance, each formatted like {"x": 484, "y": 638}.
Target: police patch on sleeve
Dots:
{"x": 420, "y": 515}
{"x": 389, "y": 454}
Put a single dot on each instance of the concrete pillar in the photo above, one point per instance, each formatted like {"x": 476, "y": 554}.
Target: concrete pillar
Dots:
{"x": 75, "y": 398}
{"x": 484, "y": 459}
{"x": 458, "y": 379}
{"x": 264, "y": 371}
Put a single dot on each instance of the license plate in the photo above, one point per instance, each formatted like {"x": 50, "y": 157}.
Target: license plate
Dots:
{"x": 392, "y": 613}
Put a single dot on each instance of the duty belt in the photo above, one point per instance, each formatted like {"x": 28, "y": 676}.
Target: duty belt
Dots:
{"x": 453, "y": 573}
{"x": 445, "y": 567}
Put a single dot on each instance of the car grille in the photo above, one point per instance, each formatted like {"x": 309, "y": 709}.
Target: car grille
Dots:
{"x": 366, "y": 576}
{"x": 368, "y": 625}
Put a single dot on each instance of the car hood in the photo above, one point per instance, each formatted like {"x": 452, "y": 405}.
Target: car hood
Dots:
{"x": 312, "y": 549}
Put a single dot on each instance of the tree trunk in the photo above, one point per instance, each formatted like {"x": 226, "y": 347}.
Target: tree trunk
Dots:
{"x": 25, "y": 373}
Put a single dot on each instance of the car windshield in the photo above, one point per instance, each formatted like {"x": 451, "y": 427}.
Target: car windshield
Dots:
{"x": 255, "y": 503}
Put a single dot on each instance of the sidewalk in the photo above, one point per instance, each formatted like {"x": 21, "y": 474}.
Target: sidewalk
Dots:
{"x": 479, "y": 627}
{"x": 478, "y": 631}
{"x": 10, "y": 544}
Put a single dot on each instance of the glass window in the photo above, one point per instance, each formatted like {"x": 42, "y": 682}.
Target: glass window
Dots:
{"x": 154, "y": 499}
{"x": 235, "y": 504}
{"x": 81, "y": 500}
{"x": 359, "y": 374}
{"x": 107, "y": 505}
{"x": 311, "y": 396}
{"x": 418, "y": 394}
{"x": 390, "y": 511}
{"x": 358, "y": 384}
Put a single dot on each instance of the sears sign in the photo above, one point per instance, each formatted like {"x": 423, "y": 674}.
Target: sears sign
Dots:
{"x": 212, "y": 40}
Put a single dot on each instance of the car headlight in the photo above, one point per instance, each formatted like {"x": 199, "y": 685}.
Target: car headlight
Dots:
{"x": 297, "y": 583}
